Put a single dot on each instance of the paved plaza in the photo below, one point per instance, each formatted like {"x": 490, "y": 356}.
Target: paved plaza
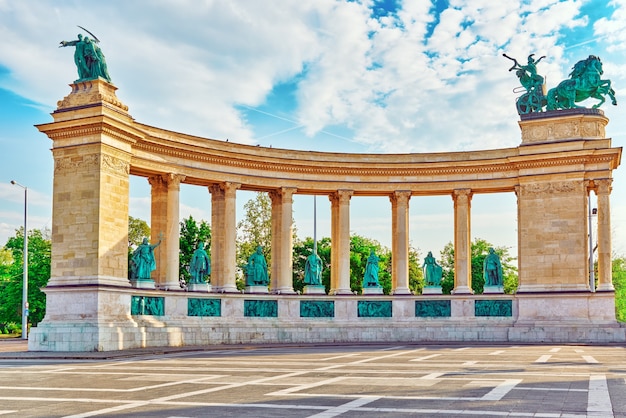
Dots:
{"x": 401, "y": 380}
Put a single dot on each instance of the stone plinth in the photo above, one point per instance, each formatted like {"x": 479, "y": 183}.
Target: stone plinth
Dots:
{"x": 562, "y": 125}
{"x": 199, "y": 287}
{"x": 432, "y": 290}
{"x": 314, "y": 290}
{"x": 143, "y": 284}
{"x": 374, "y": 290}
{"x": 256, "y": 289}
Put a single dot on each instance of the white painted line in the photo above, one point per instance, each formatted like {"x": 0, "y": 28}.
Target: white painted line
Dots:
{"x": 599, "y": 400}
{"x": 336, "y": 357}
{"x": 579, "y": 351}
{"x": 6, "y": 412}
{"x": 346, "y": 407}
{"x": 501, "y": 390}
{"x": 396, "y": 348}
{"x": 590, "y": 359}
{"x": 432, "y": 376}
{"x": 425, "y": 357}
{"x": 469, "y": 363}
{"x": 495, "y": 353}
{"x": 555, "y": 350}
{"x": 401, "y": 353}
{"x": 543, "y": 359}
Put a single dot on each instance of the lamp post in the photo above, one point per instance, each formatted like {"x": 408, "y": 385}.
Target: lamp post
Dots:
{"x": 592, "y": 279}
{"x": 25, "y": 262}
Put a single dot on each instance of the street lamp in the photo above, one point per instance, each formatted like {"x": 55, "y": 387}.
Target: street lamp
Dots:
{"x": 25, "y": 262}
{"x": 592, "y": 279}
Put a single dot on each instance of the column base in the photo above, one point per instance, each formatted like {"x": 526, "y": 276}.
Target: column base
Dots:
{"x": 170, "y": 286}
{"x": 398, "y": 291}
{"x": 284, "y": 291}
{"x": 605, "y": 287}
{"x": 227, "y": 289}
{"x": 462, "y": 290}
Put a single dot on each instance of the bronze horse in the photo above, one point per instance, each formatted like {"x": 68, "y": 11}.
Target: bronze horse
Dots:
{"x": 585, "y": 82}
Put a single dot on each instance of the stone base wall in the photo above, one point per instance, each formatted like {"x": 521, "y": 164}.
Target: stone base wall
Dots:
{"x": 143, "y": 318}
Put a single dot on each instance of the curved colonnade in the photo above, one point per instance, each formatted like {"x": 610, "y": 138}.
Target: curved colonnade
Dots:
{"x": 97, "y": 146}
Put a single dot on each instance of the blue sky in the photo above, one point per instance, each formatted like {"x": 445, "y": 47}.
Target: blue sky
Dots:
{"x": 325, "y": 75}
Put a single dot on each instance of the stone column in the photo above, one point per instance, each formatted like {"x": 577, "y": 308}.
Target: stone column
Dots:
{"x": 462, "y": 242}
{"x": 400, "y": 242}
{"x": 605, "y": 271}
{"x": 340, "y": 241}
{"x": 165, "y": 227}
{"x": 217, "y": 237}
{"x": 230, "y": 238}
{"x": 282, "y": 240}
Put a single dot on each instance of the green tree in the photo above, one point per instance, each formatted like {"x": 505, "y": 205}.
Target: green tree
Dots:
{"x": 191, "y": 234}
{"x": 138, "y": 229}
{"x": 479, "y": 250}
{"x": 301, "y": 250}
{"x": 619, "y": 282}
{"x": 360, "y": 248}
{"x": 416, "y": 274}
{"x": 255, "y": 229}
{"x": 38, "y": 275}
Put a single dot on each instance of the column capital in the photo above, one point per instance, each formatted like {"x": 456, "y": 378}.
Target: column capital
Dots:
{"x": 462, "y": 194}
{"x": 400, "y": 196}
{"x": 226, "y": 188}
{"x": 341, "y": 196}
{"x": 166, "y": 180}
{"x": 603, "y": 186}
{"x": 283, "y": 194}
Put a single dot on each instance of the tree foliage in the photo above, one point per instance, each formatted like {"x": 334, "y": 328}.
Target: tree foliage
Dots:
{"x": 301, "y": 250}
{"x": 479, "y": 250}
{"x": 191, "y": 234}
{"x": 619, "y": 282}
{"x": 138, "y": 229}
{"x": 255, "y": 229}
{"x": 11, "y": 276}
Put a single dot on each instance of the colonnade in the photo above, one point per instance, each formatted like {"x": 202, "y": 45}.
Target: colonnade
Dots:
{"x": 165, "y": 217}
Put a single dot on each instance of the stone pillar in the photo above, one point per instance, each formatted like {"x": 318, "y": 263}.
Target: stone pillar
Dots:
{"x": 553, "y": 235}
{"x": 90, "y": 215}
{"x": 217, "y": 237}
{"x": 462, "y": 241}
{"x": 400, "y": 242}
{"x": 340, "y": 243}
{"x": 229, "y": 263}
{"x": 165, "y": 227}
{"x": 605, "y": 271}
{"x": 282, "y": 241}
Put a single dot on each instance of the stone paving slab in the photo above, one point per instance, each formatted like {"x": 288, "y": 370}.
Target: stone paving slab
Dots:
{"x": 400, "y": 380}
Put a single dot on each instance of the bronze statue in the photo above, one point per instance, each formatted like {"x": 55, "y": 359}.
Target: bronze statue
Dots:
{"x": 200, "y": 265}
{"x": 88, "y": 57}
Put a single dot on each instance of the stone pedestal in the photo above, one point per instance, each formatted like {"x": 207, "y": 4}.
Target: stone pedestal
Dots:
{"x": 493, "y": 290}
{"x": 432, "y": 290}
{"x": 256, "y": 289}
{"x": 143, "y": 284}
{"x": 314, "y": 290}
{"x": 199, "y": 287}
{"x": 374, "y": 290}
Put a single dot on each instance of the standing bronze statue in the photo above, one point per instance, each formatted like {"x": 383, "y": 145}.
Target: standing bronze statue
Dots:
{"x": 88, "y": 57}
